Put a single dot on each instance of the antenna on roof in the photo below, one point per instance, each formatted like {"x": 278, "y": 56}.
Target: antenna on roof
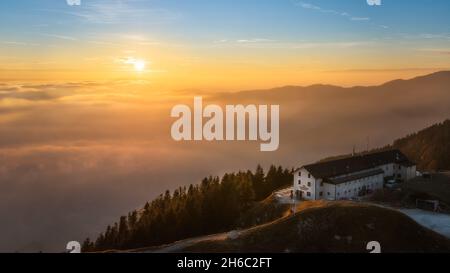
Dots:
{"x": 354, "y": 151}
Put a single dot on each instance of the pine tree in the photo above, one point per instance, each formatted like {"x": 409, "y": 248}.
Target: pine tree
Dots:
{"x": 214, "y": 205}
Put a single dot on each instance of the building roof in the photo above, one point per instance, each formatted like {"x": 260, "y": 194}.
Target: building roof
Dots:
{"x": 357, "y": 163}
{"x": 353, "y": 177}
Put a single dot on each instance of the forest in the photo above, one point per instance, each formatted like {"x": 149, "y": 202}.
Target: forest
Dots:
{"x": 212, "y": 206}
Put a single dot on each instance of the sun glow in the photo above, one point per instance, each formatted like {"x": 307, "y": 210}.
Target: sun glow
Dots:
{"x": 139, "y": 65}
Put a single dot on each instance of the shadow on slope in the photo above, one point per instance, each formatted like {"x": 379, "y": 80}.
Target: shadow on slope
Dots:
{"x": 332, "y": 227}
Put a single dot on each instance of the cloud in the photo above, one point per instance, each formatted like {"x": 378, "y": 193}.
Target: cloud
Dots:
{"x": 245, "y": 41}
{"x": 70, "y": 166}
{"x": 277, "y": 44}
{"x": 309, "y": 6}
{"x": 73, "y": 2}
{"x": 427, "y": 36}
{"x": 41, "y": 92}
{"x": 317, "y": 8}
{"x": 337, "y": 13}
{"x": 19, "y": 92}
{"x": 121, "y": 12}
{"x": 374, "y": 2}
{"x": 360, "y": 18}
{"x": 440, "y": 51}
{"x": 33, "y": 96}
{"x": 19, "y": 43}
{"x": 255, "y": 40}
{"x": 389, "y": 70}
{"x": 62, "y": 37}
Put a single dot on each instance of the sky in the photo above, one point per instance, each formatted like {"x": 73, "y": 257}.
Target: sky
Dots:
{"x": 223, "y": 45}
{"x": 86, "y": 93}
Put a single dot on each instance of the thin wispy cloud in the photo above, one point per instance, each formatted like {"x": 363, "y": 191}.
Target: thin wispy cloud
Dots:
{"x": 388, "y": 70}
{"x": 440, "y": 51}
{"x": 61, "y": 37}
{"x": 360, "y": 19}
{"x": 320, "y": 9}
{"x": 18, "y": 43}
{"x": 119, "y": 12}
{"x": 277, "y": 44}
{"x": 73, "y": 2}
{"x": 343, "y": 14}
{"x": 427, "y": 36}
{"x": 255, "y": 40}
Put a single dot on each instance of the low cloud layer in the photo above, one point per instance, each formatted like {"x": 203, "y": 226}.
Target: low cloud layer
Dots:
{"x": 76, "y": 156}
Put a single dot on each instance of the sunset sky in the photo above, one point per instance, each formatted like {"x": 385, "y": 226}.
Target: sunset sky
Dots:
{"x": 86, "y": 94}
{"x": 223, "y": 44}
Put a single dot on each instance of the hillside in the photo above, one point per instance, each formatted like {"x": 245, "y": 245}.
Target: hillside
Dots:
{"x": 429, "y": 148}
{"x": 215, "y": 205}
{"x": 333, "y": 227}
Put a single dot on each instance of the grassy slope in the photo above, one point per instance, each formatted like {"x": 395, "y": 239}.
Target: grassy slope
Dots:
{"x": 436, "y": 187}
{"x": 333, "y": 227}
{"x": 262, "y": 212}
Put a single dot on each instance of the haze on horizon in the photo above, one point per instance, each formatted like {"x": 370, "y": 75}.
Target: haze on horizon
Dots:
{"x": 86, "y": 93}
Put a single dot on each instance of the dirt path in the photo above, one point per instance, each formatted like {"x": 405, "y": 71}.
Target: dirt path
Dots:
{"x": 180, "y": 245}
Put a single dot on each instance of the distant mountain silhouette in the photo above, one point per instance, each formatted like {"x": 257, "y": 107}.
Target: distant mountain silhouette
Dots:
{"x": 320, "y": 120}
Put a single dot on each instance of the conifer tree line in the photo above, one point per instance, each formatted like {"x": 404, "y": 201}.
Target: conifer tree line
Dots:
{"x": 212, "y": 206}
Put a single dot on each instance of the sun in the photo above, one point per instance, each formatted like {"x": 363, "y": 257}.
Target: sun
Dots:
{"x": 139, "y": 65}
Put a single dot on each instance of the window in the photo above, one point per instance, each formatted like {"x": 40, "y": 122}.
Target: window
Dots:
{"x": 299, "y": 173}
{"x": 308, "y": 194}
{"x": 309, "y": 184}
{"x": 328, "y": 193}
{"x": 321, "y": 184}
{"x": 299, "y": 182}
{"x": 309, "y": 175}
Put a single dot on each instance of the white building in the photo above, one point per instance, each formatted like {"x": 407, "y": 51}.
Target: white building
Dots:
{"x": 351, "y": 177}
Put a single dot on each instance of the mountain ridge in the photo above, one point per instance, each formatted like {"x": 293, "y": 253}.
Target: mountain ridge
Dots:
{"x": 428, "y": 77}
